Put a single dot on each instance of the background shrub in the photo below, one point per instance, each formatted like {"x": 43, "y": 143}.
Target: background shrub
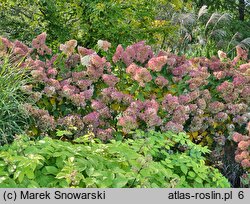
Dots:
{"x": 86, "y": 20}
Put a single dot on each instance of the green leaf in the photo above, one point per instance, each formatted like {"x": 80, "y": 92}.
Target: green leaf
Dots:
{"x": 20, "y": 177}
{"x": 184, "y": 169}
{"x": 90, "y": 182}
{"x": 17, "y": 174}
{"x": 63, "y": 184}
{"x": 60, "y": 133}
{"x": 51, "y": 170}
{"x": 29, "y": 173}
{"x": 45, "y": 181}
{"x": 3, "y": 178}
{"x": 120, "y": 181}
{"x": 198, "y": 185}
{"x": 147, "y": 87}
{"x": 140, "y": 96}
{"x": 198, "y": 180}
{"x": 90, "y": 171}
{"x": 154, "y": 185}
{"x": 33, "y": 184}
{"x": 191, "y": 174}
{"x": 59, "y": 162}
{"x": 134, "y": 88}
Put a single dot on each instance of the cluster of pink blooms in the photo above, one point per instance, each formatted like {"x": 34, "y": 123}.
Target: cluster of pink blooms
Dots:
{"x": 128, "y": 123}
{"x": 39, "y": 44}
{"x": 111, "y": 94}
{"x": 221, "y": 117}
{"x": 156, "y": 63}
{"x": 199, "y": 78}
{"x": 222, "y": 55}
{"x": 161, "y": 81}
{"x": 103, "y": 44}
{"x": 139, "y": 74}
{"x": 17, "y": 49}
{"x": 170, "y": 103}
{"x": 95, "y": 66}
{"x": 241, "y": 54}
{"x": 181, "y": 70}
{"x": 216, "y": 107}
{"x": 242, "y": 153}
{"x": 138, "y": 52}
{"x": 142, "y": 75}
{"x": 215, "y": 94}
{"x": 69, "y": 47}
{"x": 139, "y": 112}
{"x": 73, "y": 120}
{"x": 110, "y": 80}
{"x": 44, "y": 120}
{"x": 6, "y": 45}
{"x": 150, "y": 113}
{"x": 174, "y": 127}
{"x": 84, "y": 51}
{"x": 105, "y": 134}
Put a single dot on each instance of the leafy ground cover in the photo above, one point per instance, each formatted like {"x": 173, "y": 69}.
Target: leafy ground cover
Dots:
{"x": 140, "y": 163}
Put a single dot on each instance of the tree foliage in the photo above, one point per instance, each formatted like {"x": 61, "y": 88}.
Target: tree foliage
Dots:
{"x": 87, "y": 21}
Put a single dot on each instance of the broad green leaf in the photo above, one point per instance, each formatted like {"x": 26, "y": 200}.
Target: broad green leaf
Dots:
{"x": 191, "y": 174}
{"x": 51, "y": 170}
{"x": 199, "y": 180}
{"x": 29, "y": 173}
{"x": 60, "y": 133}
{"x": 120, "y": 181}
{"x": 184, "y": 169}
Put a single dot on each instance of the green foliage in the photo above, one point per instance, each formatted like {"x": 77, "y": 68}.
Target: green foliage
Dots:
{"x": 12, "y": 117}
{"x": 86, "y": 20}
{"x": 54, "y": 163}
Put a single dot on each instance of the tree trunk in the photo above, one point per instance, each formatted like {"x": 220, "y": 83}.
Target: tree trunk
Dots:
{"x": 241, "y": 8}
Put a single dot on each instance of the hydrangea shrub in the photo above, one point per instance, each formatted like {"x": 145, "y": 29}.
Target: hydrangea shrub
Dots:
{"x": 112, "y": 94}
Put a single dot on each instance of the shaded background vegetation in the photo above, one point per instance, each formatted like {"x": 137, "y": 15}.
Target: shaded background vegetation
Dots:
{"x": 174, "y": 24}
{"x": 87, "y": 21}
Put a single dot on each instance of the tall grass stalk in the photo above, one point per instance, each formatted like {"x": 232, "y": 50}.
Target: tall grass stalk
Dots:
{"x": 12, "y": 118}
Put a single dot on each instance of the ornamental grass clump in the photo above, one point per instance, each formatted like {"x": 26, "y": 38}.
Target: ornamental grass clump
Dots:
{"x": 13, "y": 119}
